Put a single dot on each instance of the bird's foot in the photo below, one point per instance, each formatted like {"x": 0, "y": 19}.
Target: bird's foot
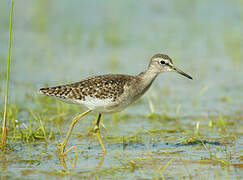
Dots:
{"x": 61, "y": 150}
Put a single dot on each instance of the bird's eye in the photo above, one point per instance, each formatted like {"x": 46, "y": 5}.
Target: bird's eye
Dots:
{"x": 162, "y": 62}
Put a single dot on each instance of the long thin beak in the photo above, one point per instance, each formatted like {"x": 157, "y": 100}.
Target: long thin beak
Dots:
{"x": 181, "y": 72}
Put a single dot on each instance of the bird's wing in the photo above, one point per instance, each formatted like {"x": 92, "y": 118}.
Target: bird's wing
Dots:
{"x": 102, "y": 87}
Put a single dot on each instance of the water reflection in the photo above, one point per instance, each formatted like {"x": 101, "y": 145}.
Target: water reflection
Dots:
{"x": 66, "y": 162}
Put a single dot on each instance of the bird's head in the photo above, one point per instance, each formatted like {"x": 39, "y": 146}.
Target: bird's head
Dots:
{"x": 162, "y": 63}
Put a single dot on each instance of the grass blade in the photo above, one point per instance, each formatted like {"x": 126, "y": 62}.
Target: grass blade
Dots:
{"x": 4, "y": 128}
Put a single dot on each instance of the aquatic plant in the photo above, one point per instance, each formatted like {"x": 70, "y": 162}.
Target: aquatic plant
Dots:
{"x": 4, "y": 128}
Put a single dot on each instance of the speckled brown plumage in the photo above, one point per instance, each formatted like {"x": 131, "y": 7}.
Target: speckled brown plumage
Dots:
{"x": 102, "y": 87}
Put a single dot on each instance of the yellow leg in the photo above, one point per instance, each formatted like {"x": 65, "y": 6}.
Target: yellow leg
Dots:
{"x": 100, "y": 141}
{"x": 97, "y": 132}
{"x": 62, "y": 145}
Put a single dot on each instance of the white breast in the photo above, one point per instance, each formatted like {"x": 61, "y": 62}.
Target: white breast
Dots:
{"x": 96, "y": 104}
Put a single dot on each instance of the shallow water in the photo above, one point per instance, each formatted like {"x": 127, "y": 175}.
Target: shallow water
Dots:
{"x": 65, "y": 41}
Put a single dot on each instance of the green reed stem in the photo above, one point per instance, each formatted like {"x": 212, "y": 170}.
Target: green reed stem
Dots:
{"x": 4, "y": 128}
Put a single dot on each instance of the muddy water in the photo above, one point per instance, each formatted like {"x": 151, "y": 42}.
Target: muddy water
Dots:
{"x": 57, "y": 42}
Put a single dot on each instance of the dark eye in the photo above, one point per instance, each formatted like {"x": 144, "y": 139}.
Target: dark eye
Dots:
{"x": 162, "y": 62}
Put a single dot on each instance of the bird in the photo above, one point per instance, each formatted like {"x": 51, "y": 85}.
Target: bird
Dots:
{"x": 109, "y": 93}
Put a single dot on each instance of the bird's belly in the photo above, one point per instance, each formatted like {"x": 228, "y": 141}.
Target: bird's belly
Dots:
{"x": 102, "y": 105}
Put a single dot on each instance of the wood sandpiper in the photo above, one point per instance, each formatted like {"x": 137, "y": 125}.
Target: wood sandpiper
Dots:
{"x": 110, "y": 93}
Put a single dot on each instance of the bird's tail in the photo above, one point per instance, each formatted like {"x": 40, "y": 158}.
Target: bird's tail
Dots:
{"x": 50, "y": 91}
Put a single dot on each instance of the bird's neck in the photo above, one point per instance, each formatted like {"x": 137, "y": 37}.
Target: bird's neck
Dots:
{"x": 147, "y": 78}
